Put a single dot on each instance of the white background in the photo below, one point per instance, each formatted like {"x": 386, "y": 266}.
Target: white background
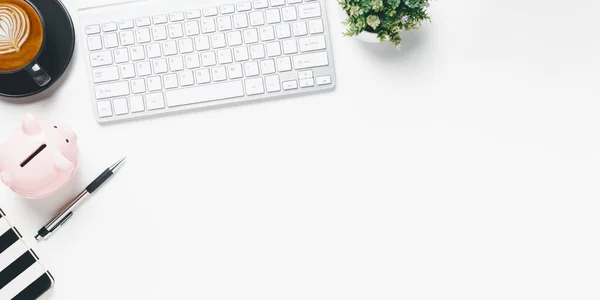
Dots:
{"x": 464, "y": 167}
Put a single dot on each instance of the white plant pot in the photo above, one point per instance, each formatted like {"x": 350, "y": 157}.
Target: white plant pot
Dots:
{"x": 364, "y": 36}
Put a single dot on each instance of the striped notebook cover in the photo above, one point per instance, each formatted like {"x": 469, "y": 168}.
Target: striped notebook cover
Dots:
{"x": 22, "y": 277}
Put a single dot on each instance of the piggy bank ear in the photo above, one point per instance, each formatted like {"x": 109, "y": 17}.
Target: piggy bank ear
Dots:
{"x": 6, "y": 178}
{"x": 31, "y": 125}
{"x": 61, "y": 163}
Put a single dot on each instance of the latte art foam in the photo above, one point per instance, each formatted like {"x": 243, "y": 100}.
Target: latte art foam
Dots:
{"x": 14, "y": 28}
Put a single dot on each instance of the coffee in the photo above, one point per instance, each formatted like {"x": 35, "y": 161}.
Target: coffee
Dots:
{"x": 21, "y": 34}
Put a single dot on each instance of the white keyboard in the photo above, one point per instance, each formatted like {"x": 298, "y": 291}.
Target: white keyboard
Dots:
{"x": 149, "y": 57}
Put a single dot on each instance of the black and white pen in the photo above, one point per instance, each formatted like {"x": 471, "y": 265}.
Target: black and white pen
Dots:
{"x": 67, "y": 211}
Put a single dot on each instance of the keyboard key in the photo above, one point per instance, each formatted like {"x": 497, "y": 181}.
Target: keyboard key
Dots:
{"x": 141, "y": 22}
{"x": 240, "y": 54}
{"x": 108, "y": 27}
{"x": 289, "y": 13}
{"x": 283, "y": 31}
{"x": 202, "y": 43}
{"x": 105, "y": 74}
{"x": 138, "y": 86}
{"x": 159, "y": 66}
{"x": 186, "y": 78}
{"x": 94, "y": 43}
{"x": 312, "y": 43}
{"x": 136, "y": 53}
{"x": 175, "y": 30}
{"x": 218, "y": 73}
{"x": 273, "y": 49}
{"x": 289, "y": 85}
{"x": 160, "y": 19}
{"x": 294, "y": 1}
{"x": 272, "y": 83}
{"x": 261, "y": 4}
{"x": 92, "y": 29}
{"x": 155, "y": 101}
{"x": 210, "y": 11}
{"x": 169, "y": 48}
{"x": 224, "y": 23}
{"x": 170, "y": 81}
{"x": 267, "y": 66}
{"x": 191, "y": 28}
{"x": 323, "y": 80}
{"x": 126, "y": 38}
{"x": 136, "y": 103}
{"x": 202, "y": 76}
{"x": 251, "y": 69}
{"x": 240, "y": 21}
{"x": 175, "y": 63}
{"x": 250, "y": 36}
{"x": 153, "y": 50}
{"x": 307, "y": 82}
{"x": 235, "y": 71}
{"x": 227, "y": 9}
{"x": 234, "y": 38}
{"x": 299, "y": 28}
{"x": 143, "y": 68}
{"x": 311, "y": 10}
{"x": 208, "y": 25}
{"x": 267, "y": 33}
{"x": 176, "y": 16}
{"x": 284, "y": 64}
{"x": 199, "y": 94}
{"x": 126, "y": 24}
{"x": 192, "y": 61}
{"x": 305, "y": 74}
{"x": 289, "y": 46}
{"x": 186, "y": 46}
{"x": 244, "y": 6}
{"x": 104, "y": 109}
{"x": 102, "y": 58}
{"x": 159, "y": 33}
{"x": 277, "y": 2}
{"x": 193, "y": 14}
{"x": 217, "y": 40}
{"x": 111, "y": 90}
{"x": 257, "y": 51}
{"x": 224, "y": 56}
{"x": 208, "y": 59}
{"x": 272, "y": 16}
{"x": 311, "y": 60}
{"x": 111, "y": 41}
{"x": 154, "y": 83}
{"x": 142, "y": 35}
{"x": 127, "y": 71}
{"x": 120, "y": 105}
{"x": 315, "y": 26}
{"x": 254, "y": 86}
{"x": 257, "y": 18}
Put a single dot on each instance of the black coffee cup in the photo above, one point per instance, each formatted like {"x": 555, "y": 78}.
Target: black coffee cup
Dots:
{"x": 32, "y": 67}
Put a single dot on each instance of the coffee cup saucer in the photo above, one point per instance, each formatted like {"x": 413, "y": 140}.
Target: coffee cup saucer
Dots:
{"x": 56, "y": 54}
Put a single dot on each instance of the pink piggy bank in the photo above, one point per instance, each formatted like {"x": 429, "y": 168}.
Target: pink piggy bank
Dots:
{"x": 38, "y": 158}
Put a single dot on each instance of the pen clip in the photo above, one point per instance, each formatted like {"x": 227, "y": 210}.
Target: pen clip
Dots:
{"x": 65, "y": 219}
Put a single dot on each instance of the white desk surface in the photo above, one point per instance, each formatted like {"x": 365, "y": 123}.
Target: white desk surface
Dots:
{"x": 464, "y": 167}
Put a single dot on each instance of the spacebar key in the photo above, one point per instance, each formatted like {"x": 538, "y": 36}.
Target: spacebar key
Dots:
{"x": 205, "y": 93}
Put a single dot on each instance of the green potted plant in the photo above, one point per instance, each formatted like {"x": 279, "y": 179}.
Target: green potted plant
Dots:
{"x": 383, "y": 20}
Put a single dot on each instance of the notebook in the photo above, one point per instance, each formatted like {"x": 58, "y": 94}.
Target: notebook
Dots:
{"x": 22, "y": 276}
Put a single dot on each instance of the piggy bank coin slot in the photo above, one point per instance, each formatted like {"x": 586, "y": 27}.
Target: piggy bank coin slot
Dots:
{"x": 34, "y": 154}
